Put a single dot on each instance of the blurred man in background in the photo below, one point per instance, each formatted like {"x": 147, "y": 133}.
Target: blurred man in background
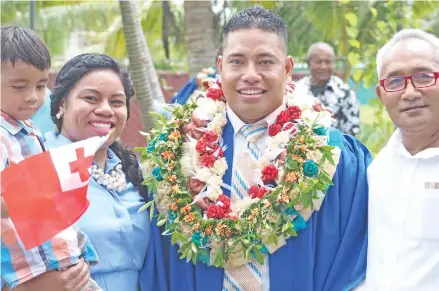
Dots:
{"x": 330, "y": 89}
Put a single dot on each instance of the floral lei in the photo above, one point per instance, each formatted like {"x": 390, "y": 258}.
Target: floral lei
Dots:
{"x": 184, "y": 164}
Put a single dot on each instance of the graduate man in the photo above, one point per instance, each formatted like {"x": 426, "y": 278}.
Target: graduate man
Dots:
{"x": 329, "y": 254}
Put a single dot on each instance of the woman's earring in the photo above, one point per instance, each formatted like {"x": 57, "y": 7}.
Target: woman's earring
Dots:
{"x": 58, "y": 115}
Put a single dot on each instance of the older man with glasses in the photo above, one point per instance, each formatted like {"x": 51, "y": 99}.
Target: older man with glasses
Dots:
{"x": 403, "y": 246}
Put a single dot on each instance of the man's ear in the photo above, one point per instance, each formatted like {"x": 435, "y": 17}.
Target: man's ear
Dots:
{"x": 289, "y": 66}
{"x": 219, "y": 64}
{"x": 378, "y": 91}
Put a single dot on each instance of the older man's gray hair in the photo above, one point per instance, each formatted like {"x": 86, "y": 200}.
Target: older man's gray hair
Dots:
{"x": 319, "y": 45}
{"x": 401, "y": 36}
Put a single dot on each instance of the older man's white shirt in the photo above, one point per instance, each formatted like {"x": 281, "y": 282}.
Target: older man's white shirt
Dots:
{"x": 403, "y": 248}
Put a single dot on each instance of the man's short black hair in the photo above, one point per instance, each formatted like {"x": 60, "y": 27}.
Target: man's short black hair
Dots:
{"x": 256, "y": 17}
{"x": 23, "y": 44}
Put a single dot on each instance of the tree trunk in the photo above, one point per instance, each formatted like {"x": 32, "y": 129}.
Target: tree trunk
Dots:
{"x": 199, "y": 31}
{"x": 153, "y": 77}
{"x": 138, "y": 61}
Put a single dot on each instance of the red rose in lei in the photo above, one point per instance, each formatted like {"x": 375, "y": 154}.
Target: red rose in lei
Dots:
{"x": 274, "y": 129}
{"x": 209, "y": 137}
{"x": 215, "y": 93}
{"x": 215, "y": 211}
{"x": 220, "y": 210}
{"x": 257, "y": 192}
{"x": 201, "y": 147}
{"x": 207, "y": 160}
{"x": 294, "y": 112}
{"x": 269, "y": 173}
{"x": 283, "y": 117}
{"x": 217, "y": 151}
{"x": 253, "y": 191}
{"x": 225, "y": 200}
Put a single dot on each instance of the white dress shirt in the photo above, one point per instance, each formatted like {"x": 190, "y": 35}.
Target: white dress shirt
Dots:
{"x": 239, "y": 146}
{"x": 403, "y": 247}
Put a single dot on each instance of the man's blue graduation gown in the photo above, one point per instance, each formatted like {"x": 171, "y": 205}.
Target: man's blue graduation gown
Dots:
{"x": 329, "y": 255}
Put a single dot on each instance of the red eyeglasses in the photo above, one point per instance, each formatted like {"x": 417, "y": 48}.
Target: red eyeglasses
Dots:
{"x": 419, "y": 80}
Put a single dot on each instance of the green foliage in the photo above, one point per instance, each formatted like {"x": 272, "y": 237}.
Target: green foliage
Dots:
{"x": 376, "y": 126}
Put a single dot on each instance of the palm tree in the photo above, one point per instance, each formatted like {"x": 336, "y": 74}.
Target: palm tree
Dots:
{"x": 139, "y": 62}
{"x": 158, "y": 21}
{"x": 200, "y": 30}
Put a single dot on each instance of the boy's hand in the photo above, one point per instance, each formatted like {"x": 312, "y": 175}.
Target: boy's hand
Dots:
{"x": 73, "y": 279}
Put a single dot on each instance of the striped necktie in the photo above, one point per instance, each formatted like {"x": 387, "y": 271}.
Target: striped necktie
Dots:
{"x": 247, "y": 277}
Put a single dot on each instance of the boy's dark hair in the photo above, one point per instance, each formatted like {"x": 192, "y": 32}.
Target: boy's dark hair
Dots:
{"x": 256, "y": 17}
{"x": 23, "y": 44}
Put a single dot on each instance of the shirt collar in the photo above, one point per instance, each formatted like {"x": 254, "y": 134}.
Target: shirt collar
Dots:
{"x": 395, "y": 142}
{"x": 14, "y": 126}
{"x": 56, "y": 139}
{"x": 332, "y": 82}
{"x": 237, "y": 123}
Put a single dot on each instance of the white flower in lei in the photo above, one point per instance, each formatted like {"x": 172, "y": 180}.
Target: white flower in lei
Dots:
{"x": 220, "y": 166}
{"x": 207, "y": 109}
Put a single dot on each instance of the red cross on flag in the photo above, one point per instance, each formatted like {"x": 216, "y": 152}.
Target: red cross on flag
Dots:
{"x": 47, "y": 193}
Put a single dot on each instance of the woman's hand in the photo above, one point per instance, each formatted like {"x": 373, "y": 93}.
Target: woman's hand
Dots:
{"x": 73, "y": 279}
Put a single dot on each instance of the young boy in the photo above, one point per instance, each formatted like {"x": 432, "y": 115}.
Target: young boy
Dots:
{"x": 24, "y": 75}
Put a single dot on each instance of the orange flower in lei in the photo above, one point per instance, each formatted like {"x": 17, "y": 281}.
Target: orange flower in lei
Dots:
{"x": 291, "y": 177}
{"x": 175, "y": 135}
{"x": 189, "y": 218}
{"x": 208, "y": 230}
{"x": 196, "y": 226}
{"x": 172, "y": 178}
{"x": 186, "y": 209}
{"x": 168, "y": 155}
{"x": 297, "y": 158}
{"x": 223, "y": 230}
{"x": 284, "y": 198}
